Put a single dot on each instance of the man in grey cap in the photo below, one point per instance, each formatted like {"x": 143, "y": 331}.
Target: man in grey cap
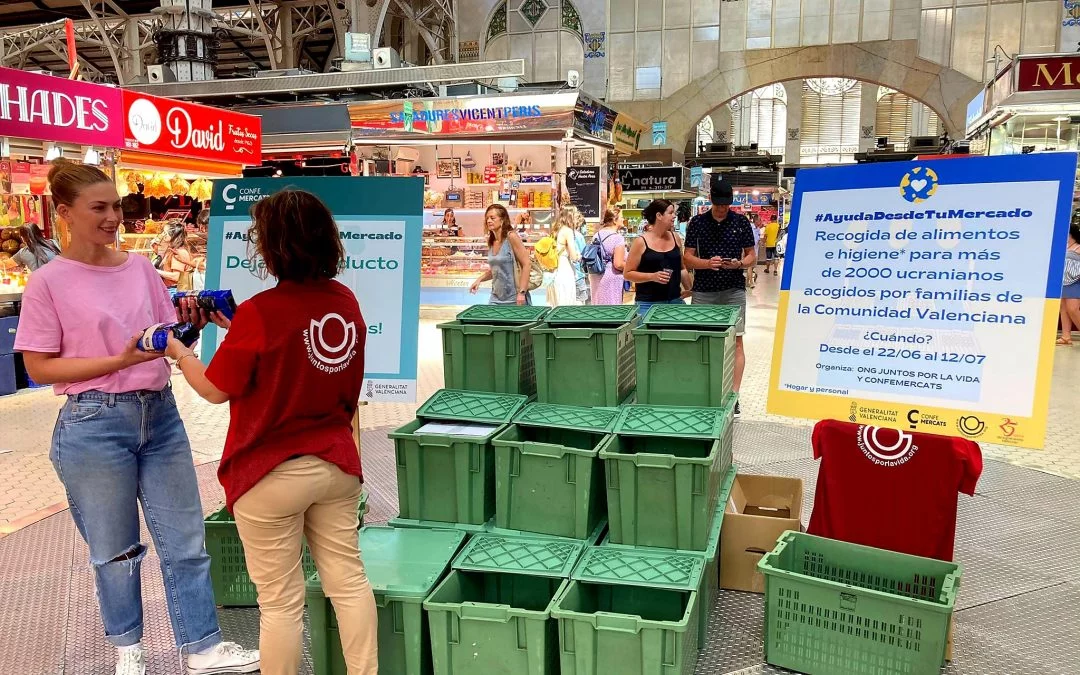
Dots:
{"x": 719, "y": 249}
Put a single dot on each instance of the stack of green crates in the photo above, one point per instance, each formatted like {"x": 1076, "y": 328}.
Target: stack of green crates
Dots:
{"x": 490, "y": 348}
{"x": 449, "y": 478}
{"x": 685, "y": 355}
{"x": 832, "y": 607}
{"x": 709, "y": 585}
{"x": 228, "y": 567}
{"x": 548, "y": 475}
{"x": 664, "y": 466}
{"x": 403, "y": 566}
{"x": 585, "y": 355}
{"x": 492, "y": 613}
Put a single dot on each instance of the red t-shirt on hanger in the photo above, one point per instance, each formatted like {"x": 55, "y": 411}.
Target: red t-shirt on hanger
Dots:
{"x": 891, "y": 489}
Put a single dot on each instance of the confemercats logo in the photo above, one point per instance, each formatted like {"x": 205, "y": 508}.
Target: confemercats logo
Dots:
{"x": 886, "y": 447}
{"x": 919, "y": 184}
{"x": 232, "y": 194}
{"x": 324, "y": 350}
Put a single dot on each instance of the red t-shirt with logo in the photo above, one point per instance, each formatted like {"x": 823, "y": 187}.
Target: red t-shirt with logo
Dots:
{"x": 292, "y": 364}
{"x": 891, "y": 489}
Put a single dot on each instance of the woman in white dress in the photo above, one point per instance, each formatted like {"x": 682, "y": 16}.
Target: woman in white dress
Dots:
{"x": 563, "y": 289}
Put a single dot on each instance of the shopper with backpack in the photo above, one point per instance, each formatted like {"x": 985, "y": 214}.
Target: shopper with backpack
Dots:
{"x": 603, "y": 259}
{"x": 509, "y": 265}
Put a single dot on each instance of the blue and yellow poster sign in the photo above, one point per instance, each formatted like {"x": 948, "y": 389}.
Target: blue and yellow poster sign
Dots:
{"x": 381, "y": 225}
{"x": 924, "y": 295}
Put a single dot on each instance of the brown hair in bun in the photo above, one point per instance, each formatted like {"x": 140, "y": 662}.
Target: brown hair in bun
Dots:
{"x": 67, "y": 179}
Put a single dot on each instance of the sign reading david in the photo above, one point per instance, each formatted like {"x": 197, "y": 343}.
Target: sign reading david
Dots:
{"x": 924, "y": 295}
{"x": 381, "y": 222}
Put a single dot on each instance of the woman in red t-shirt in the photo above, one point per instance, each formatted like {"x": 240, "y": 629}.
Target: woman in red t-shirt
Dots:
{"x": 292, "y": 369}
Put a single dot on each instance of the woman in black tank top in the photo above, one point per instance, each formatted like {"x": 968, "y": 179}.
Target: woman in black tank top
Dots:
{"x": 655, "y": 263}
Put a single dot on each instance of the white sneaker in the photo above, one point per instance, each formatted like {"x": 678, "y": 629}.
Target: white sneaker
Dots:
{"x": 225, "y": 657}
{"x": 131, "y": 661}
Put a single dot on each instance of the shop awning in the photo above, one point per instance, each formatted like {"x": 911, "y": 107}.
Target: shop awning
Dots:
{"x": 132, "y": 159}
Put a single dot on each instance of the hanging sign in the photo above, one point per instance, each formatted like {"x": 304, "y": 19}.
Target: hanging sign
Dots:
{"x": 583, "y": 185}
{"x": 381, "y": 224}
{"x": 659, "y": 134}
{"x": 47, "y": 108}
{"x": 653, "y": 179}
{"x": 627, "y": 134}
{"x": 170, "y": 127}
{"x": 923, "y": 296}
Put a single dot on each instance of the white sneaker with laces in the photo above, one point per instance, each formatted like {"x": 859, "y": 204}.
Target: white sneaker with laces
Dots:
{"x": 225, "y": 657}
{"x": 130, "y": 661}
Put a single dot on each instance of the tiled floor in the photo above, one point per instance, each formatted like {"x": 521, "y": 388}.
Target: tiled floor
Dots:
{"x": 29, "y": 489}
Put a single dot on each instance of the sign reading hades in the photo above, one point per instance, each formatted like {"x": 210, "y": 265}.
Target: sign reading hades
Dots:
{"x": 56, "y": 109}
{"x": 924, "y": 295}
{"x": 167, "y": 126}
{"x": 381, "y": 223}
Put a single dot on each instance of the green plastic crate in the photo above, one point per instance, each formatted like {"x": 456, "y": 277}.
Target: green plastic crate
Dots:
{"x": 708, "y": 589}
{"x": 228, "y": 567}
{"x": 663, "y": 468}
{"x": 592, "y": 315}
{"x": 694, "y": 317}
{"x": 402, "y": 567}
{"x": 702, "y": 361}
{"x": 585, "y": 355}
{"x": 513, "y": 315}
{"x": 489, "y": 357}
{"x": 492, "y": 614}
{"x": 449, "y": 478}
{"x": 548, "y": 477}
{"x": 630, "y": 630}
{"x": 839, "y": 608}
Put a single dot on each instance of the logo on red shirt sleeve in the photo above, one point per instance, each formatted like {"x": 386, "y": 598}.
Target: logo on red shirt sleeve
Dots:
{"x": 331, "y": 343}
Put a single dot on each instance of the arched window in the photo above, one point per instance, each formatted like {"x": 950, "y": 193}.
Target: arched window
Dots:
{"x": 547, "y": 34}
{"x": 830, "y": 121}
{"x": 895, "y": 114}
{"x": 705, "y": 131}
{"x": 767, "y": 110}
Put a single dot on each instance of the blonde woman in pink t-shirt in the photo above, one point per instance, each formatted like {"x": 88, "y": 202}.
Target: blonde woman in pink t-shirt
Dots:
{"x": 119, "y": 441}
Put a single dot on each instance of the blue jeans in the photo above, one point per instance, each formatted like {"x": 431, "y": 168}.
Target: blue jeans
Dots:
{"x": 113, "y": 452}
{"x": 644, "y": 307}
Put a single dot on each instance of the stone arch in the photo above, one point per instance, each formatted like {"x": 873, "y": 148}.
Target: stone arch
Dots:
{"x": 894, "y": 64}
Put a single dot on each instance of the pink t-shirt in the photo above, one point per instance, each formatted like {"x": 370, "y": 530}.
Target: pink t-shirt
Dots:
{"x": 82, "y": 311}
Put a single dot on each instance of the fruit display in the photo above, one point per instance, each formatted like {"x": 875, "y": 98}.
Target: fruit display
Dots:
{"x": 9, "y": 233}
{"x": 11, "y": 245}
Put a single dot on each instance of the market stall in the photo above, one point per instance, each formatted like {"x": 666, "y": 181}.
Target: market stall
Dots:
{"x": 1032, "y": 106}
{"x": 532, "y": 153}
{"x": 173, "y": 151}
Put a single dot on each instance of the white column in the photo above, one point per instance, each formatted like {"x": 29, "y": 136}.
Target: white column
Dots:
{"x": 920, "y": 119}
{"x": 868, "y": 117}
{"x": 742, "y": 120}
{"x": 793, "y": 139}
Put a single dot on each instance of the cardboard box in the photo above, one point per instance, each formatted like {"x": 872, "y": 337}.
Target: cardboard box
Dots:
{"x": 760, "y": 509}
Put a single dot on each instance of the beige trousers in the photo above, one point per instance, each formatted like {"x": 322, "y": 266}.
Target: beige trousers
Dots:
{"x": 307, "y": 497}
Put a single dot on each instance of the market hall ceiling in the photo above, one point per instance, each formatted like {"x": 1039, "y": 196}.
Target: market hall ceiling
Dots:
{"x": 241, "y": 48}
